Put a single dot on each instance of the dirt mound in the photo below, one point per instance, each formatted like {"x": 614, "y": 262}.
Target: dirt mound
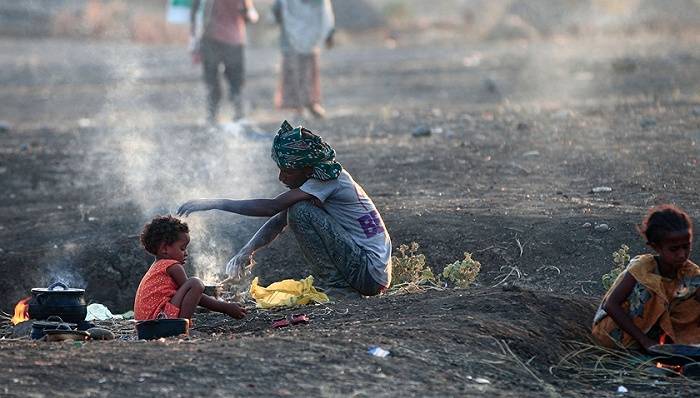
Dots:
{"x": 440, "y": 342}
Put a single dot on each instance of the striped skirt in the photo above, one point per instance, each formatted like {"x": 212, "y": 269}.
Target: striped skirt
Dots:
{"x": 300, "y": 81}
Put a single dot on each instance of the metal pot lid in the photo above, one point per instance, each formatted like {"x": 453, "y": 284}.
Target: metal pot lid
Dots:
{"x": 47, "y": 323}
{"x": 65, "y": 291}
{"x": 57, "y": 288}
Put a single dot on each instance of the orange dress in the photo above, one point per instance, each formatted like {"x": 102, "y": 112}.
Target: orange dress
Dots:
{"x": 155, "y": 291}
{"x": 655, "y": 300}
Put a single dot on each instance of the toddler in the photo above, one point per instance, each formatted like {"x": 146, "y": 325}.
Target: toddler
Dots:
{"x": 165, "y": 290}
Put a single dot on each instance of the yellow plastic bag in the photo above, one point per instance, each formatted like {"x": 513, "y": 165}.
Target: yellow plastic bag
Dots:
{"x": 286, "y": 293}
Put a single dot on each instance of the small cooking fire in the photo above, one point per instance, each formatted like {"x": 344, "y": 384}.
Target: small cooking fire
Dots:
{"x": 21, "y": 311}
{"x": 673, "y": 368}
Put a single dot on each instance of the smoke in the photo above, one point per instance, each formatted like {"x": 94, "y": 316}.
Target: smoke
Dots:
{"x": 163, "y": 158}
{"x": 62, "y": 272}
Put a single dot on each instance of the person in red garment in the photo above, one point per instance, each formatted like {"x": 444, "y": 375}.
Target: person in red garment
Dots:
{"x": 222, "y": 42}
{"x": 166, "y": 291}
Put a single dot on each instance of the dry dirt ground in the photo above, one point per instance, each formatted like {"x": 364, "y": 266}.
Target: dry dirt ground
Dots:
{"x": 104, "y": 135}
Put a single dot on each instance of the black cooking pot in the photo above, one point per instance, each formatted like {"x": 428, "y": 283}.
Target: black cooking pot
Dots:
{"x": 59, "y": 300}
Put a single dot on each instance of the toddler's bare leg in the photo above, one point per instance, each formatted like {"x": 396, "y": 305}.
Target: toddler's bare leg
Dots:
{"x": 187, "y": 297}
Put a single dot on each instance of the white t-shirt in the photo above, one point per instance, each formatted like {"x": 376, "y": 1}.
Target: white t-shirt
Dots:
{"x": 348, "y": 204}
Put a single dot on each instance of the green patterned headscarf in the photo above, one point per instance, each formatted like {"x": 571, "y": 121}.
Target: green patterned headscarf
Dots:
{"x": 293, "y": 150}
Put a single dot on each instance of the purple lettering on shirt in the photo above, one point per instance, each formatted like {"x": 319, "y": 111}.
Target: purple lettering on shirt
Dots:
{"x": 371, "y": 224}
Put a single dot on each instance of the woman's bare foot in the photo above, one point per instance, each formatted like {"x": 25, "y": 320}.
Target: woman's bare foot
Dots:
{"x": 317, "y": 111}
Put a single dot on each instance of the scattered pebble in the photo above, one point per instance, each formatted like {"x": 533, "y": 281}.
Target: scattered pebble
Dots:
{"x": 422, "y": 131}
{"x": 602, "y": 228}
{"x": 531, "y": 154}
{"x": 377, "y": 351}
{"x": 481, "y": 380}
{"x": 587, "y": 225}
{"x": 601, "y": 189}
{"x": 622, "y": 390}
{"x": 624, "y": 65}
{"x": 490, "y": 85}
{"x": 647, "y": 122}
{"x": 100, "y": 334}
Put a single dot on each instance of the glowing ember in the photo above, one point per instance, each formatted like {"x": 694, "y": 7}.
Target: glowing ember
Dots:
{"x": 21, "y": 311}
{"x": 673, "y": 368}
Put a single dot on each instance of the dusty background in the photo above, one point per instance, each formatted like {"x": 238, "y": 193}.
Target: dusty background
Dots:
{"x": 530, "y": 107}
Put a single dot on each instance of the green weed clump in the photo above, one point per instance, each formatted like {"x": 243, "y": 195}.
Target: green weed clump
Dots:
{"x": 462, "y": 273}
{"x": 409, "y": 266}
{"x": 620, "y": 259}
{"x": 411, "y": 274}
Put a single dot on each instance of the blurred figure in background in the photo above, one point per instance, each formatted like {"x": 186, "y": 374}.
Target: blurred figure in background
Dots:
{"x": 222, "y": 42}
{"x": 304, "y": 26}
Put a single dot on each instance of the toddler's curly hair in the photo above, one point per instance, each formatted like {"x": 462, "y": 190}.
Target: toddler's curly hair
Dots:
{"x": 162, "y": 229}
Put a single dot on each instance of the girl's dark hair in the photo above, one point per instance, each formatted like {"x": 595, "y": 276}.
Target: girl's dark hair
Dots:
{"x": 663, "y": 220}
{"x": 162, "y": 229}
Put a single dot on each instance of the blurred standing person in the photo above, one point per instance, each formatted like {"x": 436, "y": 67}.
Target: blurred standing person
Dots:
{"x": 222, "y": 42}
{"x": 304, "y": 26}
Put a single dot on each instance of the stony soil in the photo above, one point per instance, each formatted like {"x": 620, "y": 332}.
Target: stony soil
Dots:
{"x": 105, "y": 135}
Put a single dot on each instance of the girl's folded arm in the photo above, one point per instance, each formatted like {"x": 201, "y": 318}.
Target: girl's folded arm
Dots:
{"x": 613, "y": 306}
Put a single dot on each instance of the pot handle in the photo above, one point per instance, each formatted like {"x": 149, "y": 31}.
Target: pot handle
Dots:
{"x": 54, "y": 318}
{"x": 54, "y": 285}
